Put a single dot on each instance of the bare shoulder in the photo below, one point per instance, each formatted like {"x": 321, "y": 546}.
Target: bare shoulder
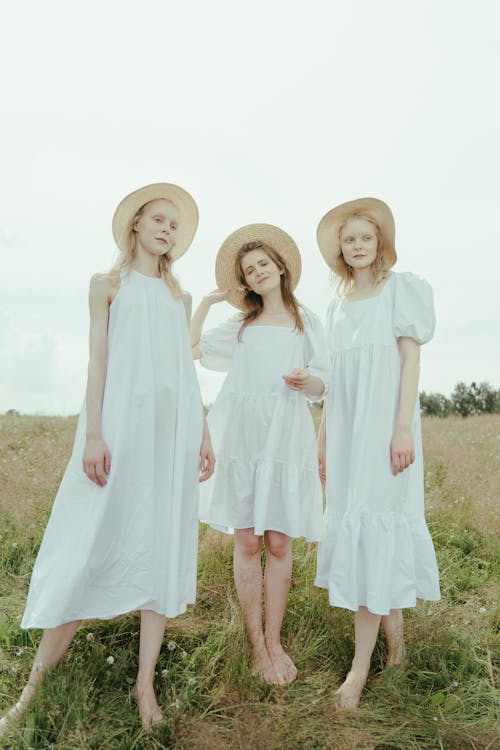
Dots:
{"x": 103, "y": 287}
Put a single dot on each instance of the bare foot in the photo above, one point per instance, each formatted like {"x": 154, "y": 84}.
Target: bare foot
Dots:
{"x": 263, "y": 667}
{"x": 285, "y": 669}
{"x": 8, "y": 722}
{"x": 149, "y": 710}
{"x": 350, "y": 691}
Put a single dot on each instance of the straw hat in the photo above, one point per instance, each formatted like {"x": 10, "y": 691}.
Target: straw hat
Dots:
{"x": 331, "y": 223}
{"x": 187, "y": 208}
{"x": 270, "y": 235}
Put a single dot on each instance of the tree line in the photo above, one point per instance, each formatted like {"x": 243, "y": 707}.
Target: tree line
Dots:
{"x": 466, "y": 400}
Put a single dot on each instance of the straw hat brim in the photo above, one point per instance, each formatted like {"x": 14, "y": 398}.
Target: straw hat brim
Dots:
{"x": 187, "y": 208}
{"x": 331, "y": 223}
{"x": 273, "y": 236}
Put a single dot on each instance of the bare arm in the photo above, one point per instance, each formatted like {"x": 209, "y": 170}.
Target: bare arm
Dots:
{"x": 188, "y": 304}
{"x": 402, "y": 445}
{"x": 96, "y": 458}
{"x": 201, "y": 312}
{"x": 322, "y": 445}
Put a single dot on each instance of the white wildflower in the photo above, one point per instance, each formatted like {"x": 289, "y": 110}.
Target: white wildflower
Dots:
{"x": 184, "y": 654}
{"x": 192, "y": 681}
{"x": 171, "y": 645}
{"x": 164, "y": 672}
{"x": 110, "y": 660}
{"x": 90, "y": 636}
{"x": 483, "y": 610}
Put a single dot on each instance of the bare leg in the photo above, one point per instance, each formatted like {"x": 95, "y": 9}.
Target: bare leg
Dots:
{"x": 248, "y": 581}
{"x": 151, "y": 638}
{"x": 393, "y": 628}
{"x": 53, "y": 646}
{"x": 277, "y": 577}
{"x": 366, "y": 626}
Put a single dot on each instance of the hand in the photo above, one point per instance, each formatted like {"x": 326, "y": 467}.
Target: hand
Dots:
{"x": 402, "y": 449}
{"x": 322, "y": 457}
{"x": 207, "y": 459}
{"x": 96, "y": 461}
{"x": 218, "y": 295}
{"x": 297, "y": 380}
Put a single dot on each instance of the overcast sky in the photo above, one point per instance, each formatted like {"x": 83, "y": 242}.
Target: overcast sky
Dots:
{"x": 265, "y": 110}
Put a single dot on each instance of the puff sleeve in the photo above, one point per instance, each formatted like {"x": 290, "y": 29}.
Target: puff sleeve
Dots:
{"x": 217, "y": 345}
{"x": 316, "y": 355}
{"x": 413, "y": 308}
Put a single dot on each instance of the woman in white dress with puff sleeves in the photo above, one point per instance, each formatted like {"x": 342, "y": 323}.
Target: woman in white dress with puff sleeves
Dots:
{"x": 377, "y": 556}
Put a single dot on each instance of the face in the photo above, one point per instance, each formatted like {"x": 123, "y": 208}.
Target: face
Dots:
{"x": 262, "y": 275}
{"x": 157, "y": 226}
{"x": 358, "y": 242}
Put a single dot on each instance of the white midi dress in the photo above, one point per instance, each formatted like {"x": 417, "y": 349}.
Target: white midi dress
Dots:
{"x": 266, "y": 474}
{"x": 133, "y": 543}
{"x": 377, "y": 551}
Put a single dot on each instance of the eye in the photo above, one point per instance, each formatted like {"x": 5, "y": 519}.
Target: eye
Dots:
{"x": 173, "y": 225}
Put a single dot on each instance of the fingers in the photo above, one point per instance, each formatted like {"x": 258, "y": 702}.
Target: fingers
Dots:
{"x": 207, "y": 465}
{"x": 322, "y": 470}
{"x": 107, "y": 461}
{"x": 401, "y": 460}
{"x": 296, "y": 379}
{"x": 96, "y": 472}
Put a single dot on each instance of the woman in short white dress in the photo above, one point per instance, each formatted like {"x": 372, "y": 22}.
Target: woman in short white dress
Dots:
{"x": 377, "y": 556}
{"x": 265, "y": 484}
{"x": 123, "y": 531}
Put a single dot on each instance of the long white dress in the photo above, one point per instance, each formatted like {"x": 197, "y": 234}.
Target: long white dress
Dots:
{"x": 266, "y": 475}
{"x": 377, "y": 550}
{"x": 133, "y": 543}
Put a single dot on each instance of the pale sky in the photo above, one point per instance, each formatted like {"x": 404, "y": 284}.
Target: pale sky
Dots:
{"x": 265, "y": 111}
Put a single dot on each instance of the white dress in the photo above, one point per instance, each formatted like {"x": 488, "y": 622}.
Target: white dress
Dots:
{"x": 377, "y": 550}
{"x": 266, "y": 474}
{"x": 133, "y": 543}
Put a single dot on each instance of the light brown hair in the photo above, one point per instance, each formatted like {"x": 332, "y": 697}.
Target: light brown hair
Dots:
{"x": 253, "y": 305}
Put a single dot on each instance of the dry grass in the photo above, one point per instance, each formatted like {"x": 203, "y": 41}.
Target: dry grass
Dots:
{"x": 444, "y": 701}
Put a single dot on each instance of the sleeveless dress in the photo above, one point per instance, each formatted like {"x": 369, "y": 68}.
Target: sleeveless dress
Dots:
{"x": 377, "y": 550}
{"x": 133, "y": 543}
{"x": 266, "y": 474}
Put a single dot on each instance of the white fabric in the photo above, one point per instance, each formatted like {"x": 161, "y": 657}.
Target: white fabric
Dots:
{"x": 266, "y": 474}
{"x": 377, "y": 550}
{"x": 133, "y": 543}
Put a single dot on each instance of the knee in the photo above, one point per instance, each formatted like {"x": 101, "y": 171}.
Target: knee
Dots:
{"x": 249, "y": 546}
{"x": 278, "y": 545}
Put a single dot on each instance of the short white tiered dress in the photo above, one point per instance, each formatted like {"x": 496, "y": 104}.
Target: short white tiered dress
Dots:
{"x": 266, "y": 474}
{"x": 133, "y": 543}
{"x": 377, "y": 550}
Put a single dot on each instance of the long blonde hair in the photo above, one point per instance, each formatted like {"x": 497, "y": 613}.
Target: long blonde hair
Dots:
{"x": 126, "y": 258}
{"x": 344, "y": 273}
{"x": 253, "y": 303}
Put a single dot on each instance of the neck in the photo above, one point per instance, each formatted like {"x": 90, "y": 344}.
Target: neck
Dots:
{"x": 363, "y": 278}
{"x": 273, "y": 302}
{"x": 145, "y": 263}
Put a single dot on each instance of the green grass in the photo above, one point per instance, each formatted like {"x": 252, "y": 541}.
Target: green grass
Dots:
{"x": 444, "y": 700}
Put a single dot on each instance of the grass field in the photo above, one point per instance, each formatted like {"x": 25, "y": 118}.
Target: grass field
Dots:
{"x": 445, "y": 699}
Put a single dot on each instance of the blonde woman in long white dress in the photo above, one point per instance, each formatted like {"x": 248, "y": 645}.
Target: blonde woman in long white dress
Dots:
{"x": 123, "y": 531}
{"x": 265, "y": 485}
{"x": 377, "y": 556}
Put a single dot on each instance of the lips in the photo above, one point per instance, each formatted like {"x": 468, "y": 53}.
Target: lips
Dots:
{"x": 262, "y": 280}
{"x": 162, "y": 239}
